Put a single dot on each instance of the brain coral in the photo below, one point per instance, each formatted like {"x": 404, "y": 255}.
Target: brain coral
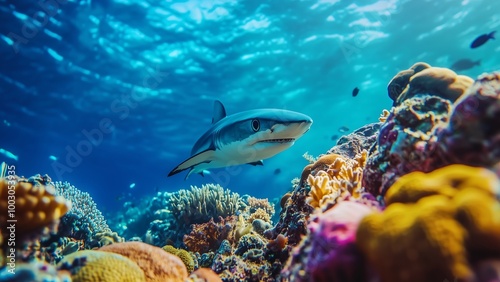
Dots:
{"x": 97, "y": 266}
{"x": 422, "y": 78}
{"x": 35, "y": 206}
{"x": 184, "y": 255}
{"x": 157, "y": 265}
{"x": 435, "y": 226}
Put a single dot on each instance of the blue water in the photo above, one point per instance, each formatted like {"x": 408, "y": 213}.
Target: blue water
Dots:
{"x": 151, "y": 70}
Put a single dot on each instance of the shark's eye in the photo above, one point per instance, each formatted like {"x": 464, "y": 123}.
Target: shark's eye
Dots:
{"x": 255, "y": 125}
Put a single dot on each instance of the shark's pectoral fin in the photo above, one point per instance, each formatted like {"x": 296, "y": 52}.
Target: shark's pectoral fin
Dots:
{"x": 257, "y": 163}
{"x": 202, "y": 157}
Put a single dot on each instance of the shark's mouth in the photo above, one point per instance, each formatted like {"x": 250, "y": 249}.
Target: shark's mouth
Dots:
{"x": 282, "y": 140}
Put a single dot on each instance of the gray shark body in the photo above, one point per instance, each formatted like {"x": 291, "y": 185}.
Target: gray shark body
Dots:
{"x": 244, "y": 138}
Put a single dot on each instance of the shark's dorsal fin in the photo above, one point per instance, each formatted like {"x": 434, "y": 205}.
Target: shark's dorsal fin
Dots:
{"x": 219, "y": 112}
{"x": 260, "y": 162}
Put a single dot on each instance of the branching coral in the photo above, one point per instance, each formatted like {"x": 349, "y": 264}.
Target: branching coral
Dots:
{"x": 254, "y": 204}
{"x": 84, "y": 220}
{"x": 259, "y": 214}
{"x": 342, "y": 175}
{"x": 198, "y": 205}
{"x": 442, "y": 222}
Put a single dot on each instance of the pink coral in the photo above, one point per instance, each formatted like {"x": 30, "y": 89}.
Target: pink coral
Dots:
{"x": 329, "y": 252}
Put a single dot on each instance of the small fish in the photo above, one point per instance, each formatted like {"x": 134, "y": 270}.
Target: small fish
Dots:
{"x": 355, "y": 92}
{"x": 335, "y": 137}
{"x": 277, "y": 171}
{"x": 464, "y": 64}
{"x": 52, "y": 158}
{"x": 132, "y": 186}
{"x": 343, "y": 129}
{"x": 8, "y": 154}
{"x": 481, "y": 39}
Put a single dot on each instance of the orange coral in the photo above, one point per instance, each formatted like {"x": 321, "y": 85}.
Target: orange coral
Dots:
{"x": 35, "y": 206}
{"x": 157, "y": 265}
{"x": 208, "y": 236}
{"x": 255, "y": 204}
{"x": 439, "y": 220}
{"x": 278, "y": 244}
{"x": 97, "y": 266}
{"x": 204, "y": 275}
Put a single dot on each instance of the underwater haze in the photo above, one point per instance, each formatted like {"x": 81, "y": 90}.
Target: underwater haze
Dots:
{"x": 136, "y": 80}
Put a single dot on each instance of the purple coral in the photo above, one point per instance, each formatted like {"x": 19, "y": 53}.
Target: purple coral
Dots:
{"x": 473, "y": 134}
{"x": 329, "y": 252}
{"x": 405, "y": 142}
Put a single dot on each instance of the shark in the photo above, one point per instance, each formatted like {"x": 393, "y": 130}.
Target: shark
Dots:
{"x": 246, "y": 137}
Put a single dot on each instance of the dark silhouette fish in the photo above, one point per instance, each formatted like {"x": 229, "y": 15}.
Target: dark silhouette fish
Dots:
{"x": 481, "y": 39}
{"x": 343, "y": 129}
{"x": 464, "y": 64}
{"x": 355, "y": 92}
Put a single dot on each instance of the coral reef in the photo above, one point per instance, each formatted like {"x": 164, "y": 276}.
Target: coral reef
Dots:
{"x": 97, "y": 266}
{"x": 329, "y": 181}
{"x": 35, "y": 271}
{"x": 442, "y": 222}
{"x": 198, "y": 205}
{"x": 156, "y": 264}
{"x": 84, "y": 220}
{"x": 437, "y": 123}
{"x": 34, "y": 206}
{"x": 203, "y": 275}
{"x": 472, "y": 136}
{"x": 356, "y": 142}
{"x": 184, "y": 255}
{"x": 172, "y": 214}
{"x": 205, "y": 237}
{"x": 329, "y": 253}
{"x": 422, "y": 78}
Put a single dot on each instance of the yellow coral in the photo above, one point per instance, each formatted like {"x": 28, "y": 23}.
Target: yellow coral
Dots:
{"x": 259, "y": 214}
{"x": 324, "y": 191}
{"x": 35, "y": 206}
{"x": 341, "y": 176}
{"x": 433, "y": 223}
{"x": 157, "y": 265}
{"x": 184, "y": 255}
{"x": 97, "y": 266}
{"x": 384, "y": 115}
